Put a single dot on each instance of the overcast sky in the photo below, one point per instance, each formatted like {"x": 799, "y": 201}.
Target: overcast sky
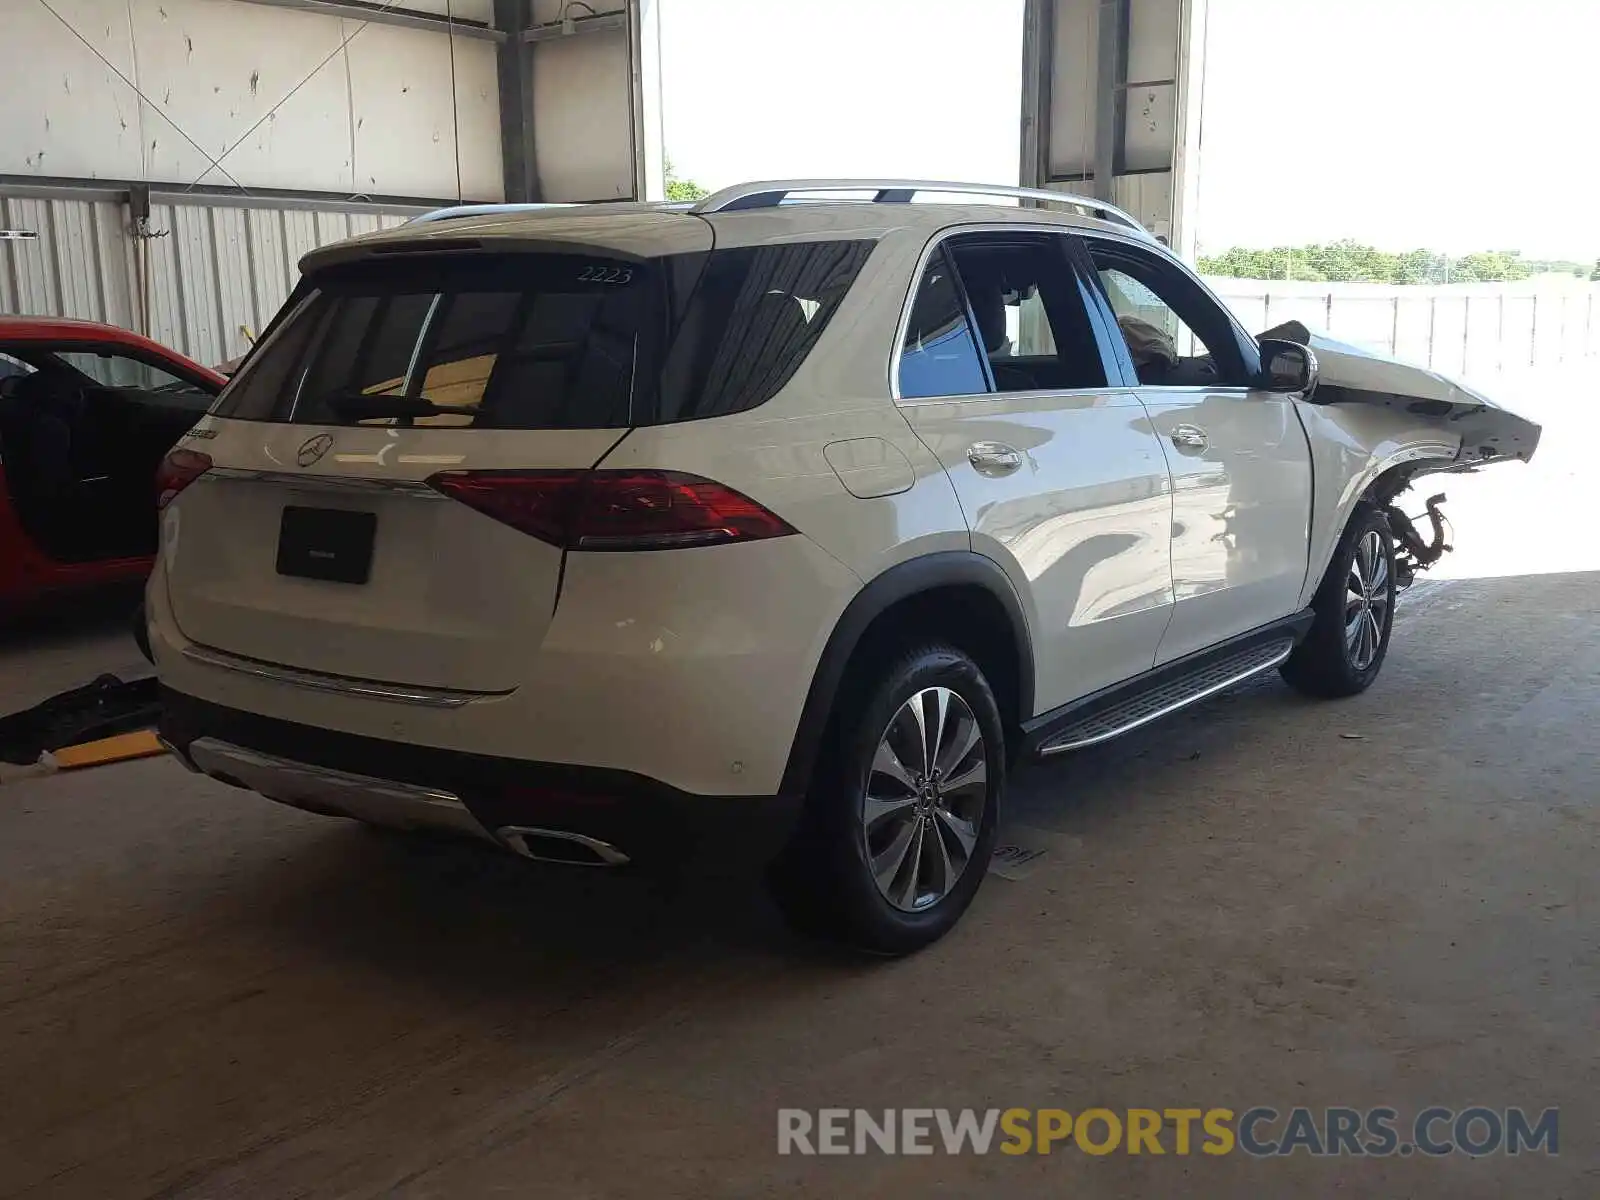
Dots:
{"x": 1372, "y": 119}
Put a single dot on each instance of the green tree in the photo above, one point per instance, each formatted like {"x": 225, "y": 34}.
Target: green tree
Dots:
{"x": 1279, "y": 263}
{"x": 682, "y": 190}
{"x": 1595, "y": 274}
{"x": 1555, "y": 266}
{"x": 1419, "y": 266}
{"x": 1495, "y": 266}
{"x": 1351, "y": 260}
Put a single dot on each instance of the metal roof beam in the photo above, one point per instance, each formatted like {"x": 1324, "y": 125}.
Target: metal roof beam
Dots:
{"x": 391, "y": 14}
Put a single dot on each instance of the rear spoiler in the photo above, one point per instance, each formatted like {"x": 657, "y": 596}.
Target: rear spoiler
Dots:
{"x": 620, "y": 230}
{"x": 358, "y": 250}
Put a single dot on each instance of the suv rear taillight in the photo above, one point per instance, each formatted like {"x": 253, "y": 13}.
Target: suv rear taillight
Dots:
{"x": 614, "y": 510}
{"x": 177, "y": 471}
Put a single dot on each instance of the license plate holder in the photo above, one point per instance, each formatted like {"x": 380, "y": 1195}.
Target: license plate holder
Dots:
{"x": 330, "y": 544}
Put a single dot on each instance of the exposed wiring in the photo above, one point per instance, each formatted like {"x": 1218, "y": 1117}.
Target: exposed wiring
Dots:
{"x": 572, "y": 4}
{"x": 350, "y": 117}
{"x": 138, "y": 109}
{"x": 1413, "y": 554}
{"x": 141, "y": 269}
{"x": 455, "y": 110}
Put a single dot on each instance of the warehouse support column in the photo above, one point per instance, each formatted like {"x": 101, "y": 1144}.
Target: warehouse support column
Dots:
{"x": 1111, "y": 96}
{"x": 590, "y": 77}
{"x": 1111, "y": 99}
{"x": 514, "y": 70}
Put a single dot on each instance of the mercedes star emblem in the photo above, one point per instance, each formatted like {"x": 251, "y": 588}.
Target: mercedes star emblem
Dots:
{"x": 312, "y": 449}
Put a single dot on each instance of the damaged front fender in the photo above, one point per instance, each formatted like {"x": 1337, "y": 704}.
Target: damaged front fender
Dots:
{"x": 1482, "y": 431}
{"x": 1374, "y": 424}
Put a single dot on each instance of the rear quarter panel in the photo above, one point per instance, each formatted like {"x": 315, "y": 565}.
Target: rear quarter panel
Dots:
{"x": 778, "y": 453}
{"x": 832, "y": 421}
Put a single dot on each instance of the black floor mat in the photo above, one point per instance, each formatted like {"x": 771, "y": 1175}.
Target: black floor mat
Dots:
{"x": 104, "y": 708}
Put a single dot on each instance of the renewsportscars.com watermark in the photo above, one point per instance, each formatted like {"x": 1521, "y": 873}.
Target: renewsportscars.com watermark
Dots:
{"x": 1260, "y": 1132}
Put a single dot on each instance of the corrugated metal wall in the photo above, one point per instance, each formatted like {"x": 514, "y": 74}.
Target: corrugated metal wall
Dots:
{"x": 216, "y": 272}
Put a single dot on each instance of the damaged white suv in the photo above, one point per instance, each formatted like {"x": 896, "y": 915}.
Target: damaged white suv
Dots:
{"x": 789, "y": 520}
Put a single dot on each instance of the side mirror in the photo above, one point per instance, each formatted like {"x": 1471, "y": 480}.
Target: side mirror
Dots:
{"x": 1287, "y": 366}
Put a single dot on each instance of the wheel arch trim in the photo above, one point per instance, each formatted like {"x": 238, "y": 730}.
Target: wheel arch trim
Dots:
{"x": 1423, "y": 456}
{"x": 927, "y": 573}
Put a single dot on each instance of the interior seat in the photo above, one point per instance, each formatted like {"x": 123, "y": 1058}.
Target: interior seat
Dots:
{"x": 62, "y": 507}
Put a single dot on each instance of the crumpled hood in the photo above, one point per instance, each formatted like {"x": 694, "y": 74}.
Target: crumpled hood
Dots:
{"x": 1353, "y": 375}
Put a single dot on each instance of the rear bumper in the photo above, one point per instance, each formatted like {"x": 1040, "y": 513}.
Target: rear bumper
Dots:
{"x": 690, "y": 668}
{"x": 587, "y": 815}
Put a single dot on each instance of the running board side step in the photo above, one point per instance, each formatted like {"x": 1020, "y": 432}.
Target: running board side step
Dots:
{"x": 1168, "y": 696}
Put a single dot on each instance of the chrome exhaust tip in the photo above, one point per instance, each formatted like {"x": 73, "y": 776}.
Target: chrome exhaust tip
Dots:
{"x": 560, "y": 846}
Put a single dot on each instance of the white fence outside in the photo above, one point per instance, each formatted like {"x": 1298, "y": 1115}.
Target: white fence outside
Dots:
{"x": 1469, "y": 330}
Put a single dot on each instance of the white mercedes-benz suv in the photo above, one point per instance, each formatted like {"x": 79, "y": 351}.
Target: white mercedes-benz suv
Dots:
{"x": 793, "y": 519}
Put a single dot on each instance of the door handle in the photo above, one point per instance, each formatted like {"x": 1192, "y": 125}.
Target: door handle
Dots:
{"x": 1190, "y": 437}
{"x": 993, "y": 458}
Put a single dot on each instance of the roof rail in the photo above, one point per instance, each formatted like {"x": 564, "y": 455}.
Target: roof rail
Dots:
{"x": 772, "y": 192}
{"x": 480, "y": 210}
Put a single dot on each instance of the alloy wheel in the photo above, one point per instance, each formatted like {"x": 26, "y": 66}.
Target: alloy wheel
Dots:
{"x": 925, "y": 797}
{"x": 1366, "y": 602}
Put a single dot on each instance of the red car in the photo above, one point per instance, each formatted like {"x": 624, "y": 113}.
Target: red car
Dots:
{"x": 87, "y": 412}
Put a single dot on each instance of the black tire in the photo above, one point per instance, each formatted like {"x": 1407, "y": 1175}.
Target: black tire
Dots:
{"x": 1327, "y": 664}
{"x": 823, "y": 881}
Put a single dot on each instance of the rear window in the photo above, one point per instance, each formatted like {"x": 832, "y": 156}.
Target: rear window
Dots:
{"x": 544, "y": 341}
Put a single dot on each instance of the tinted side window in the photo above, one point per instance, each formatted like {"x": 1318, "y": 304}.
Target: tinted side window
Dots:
{"x": 129, "y": 374}
{"x": 275, "y": 365}
{"x": 754, "y": 316}
{"x": 940, "y": 356}
{"x": 13, "y": 368}
{"x": 1030, "y": 311}
{"x": 1176, "y": 334}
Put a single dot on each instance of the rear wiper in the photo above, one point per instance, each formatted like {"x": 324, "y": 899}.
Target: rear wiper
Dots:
{"x": 358, "y": 406}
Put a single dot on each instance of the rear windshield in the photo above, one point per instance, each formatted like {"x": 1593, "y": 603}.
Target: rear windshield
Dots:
{"x": 544, "y": 341}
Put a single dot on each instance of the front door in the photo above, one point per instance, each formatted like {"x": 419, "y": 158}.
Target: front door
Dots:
{"x": 1003, "y": 375}
{"x": 87, "y": 424}
{"x": 1240, "y": 460}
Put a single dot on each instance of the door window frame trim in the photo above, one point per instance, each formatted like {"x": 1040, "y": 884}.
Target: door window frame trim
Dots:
{"x": 967, "y": 310}
{"x": 935, "y": 245}
{"x": 57, "y": 346}
{"x": 1249, "y": 350}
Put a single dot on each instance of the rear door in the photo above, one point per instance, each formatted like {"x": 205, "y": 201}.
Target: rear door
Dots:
{"x": 1003, "y": 374}
{"x": 1239, "y": 457}
{"x": 316, "y": 541}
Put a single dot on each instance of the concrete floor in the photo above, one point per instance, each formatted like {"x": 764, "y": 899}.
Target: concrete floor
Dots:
{"x": 207, "y": 995}
{"x": 1266, "y": 901}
